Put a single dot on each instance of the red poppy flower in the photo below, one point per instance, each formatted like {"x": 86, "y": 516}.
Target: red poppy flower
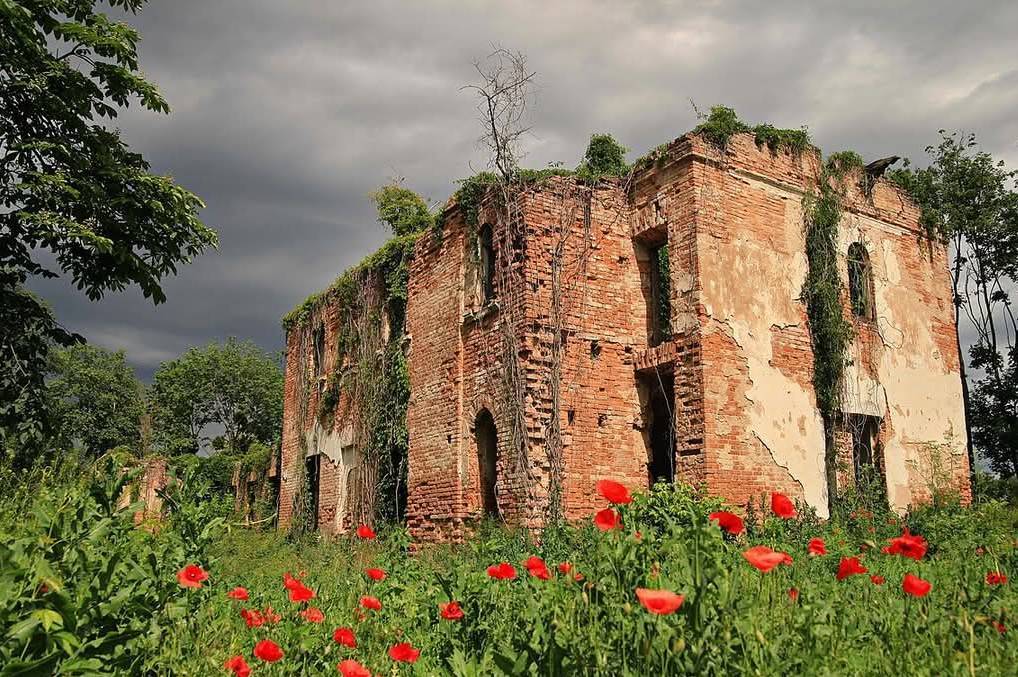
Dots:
{"x": 537, "y": 568}
{"x": 313, "y": 614}
{"x": 782, "y": 506}
{"x": 252, "y": 618}
{"x": 564, "y": 568}
{"x": 403, "y": 652}
{"x": 614, "y": 492}
{"x": 289, "y": 581}
{"x": 661, "y": 602}
{"x": 816, "y": 547}
{"x": 351, "y": 668}
{"x": 191, "y": 576}
{"x": 300, "y": 593}
{"x": 268, "y": 651}
{"x": 793, "y": 594}
{"x": 270, "y": 616}
{"x": 913, "y": 585}
{"x": 849, "y": 566}
{"x": 345, "y": 637}
{"x": 238, "y": 666}
{"x": 451, "y": 611}
{"x": 995, "y": 578}
{"x": 907, "y": 545}
{"x": 607, "y": 519}
{"x": 369, "y": 602}
{"x": 878, "y": 579}
{"x": 502, "y": 571}
{"x": 728, "y": 521}
{"x": 365, "y": 532}
{"x": 238, "y": 593}
{"x": 375, "y": 574}
{"x": 999, "y": 627}
{"x": 765, "y": 559}
{"x": 578, "y": 577}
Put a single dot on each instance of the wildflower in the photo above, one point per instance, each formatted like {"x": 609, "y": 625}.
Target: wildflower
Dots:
{"x": 614, "y": 492}
{"x": 238, "y": 666}
{"x": 289, "y": 581}
{"x": 313, "y": 614}
{"x": 782, "y": 506}
{"x": 365, "y": 532}
{"x": 816, "y": 547}
{"x": 793, "y": 594}
{"x": 238, "y": 593}
{"x": 999, "y": 627}
{"x": 728, "y": 521}
{"x": 995, "y": 578}
{"x": 913, "y": 585}
{"x": 270, "y": 616}
{"x": 191, "y": 576}
{"x": 577, "y": 577}
{"x": 351, "y": 668}
{"x": 252, "y": 618}
{"x": 268, "y": 651}
{"x": 300, "y": 593}
{"x": 765, "y": 559}
{"x": 537, "y": 568}
{"x": 661, "y": 602}
{"x": 980, "y": 551}
{"x": 451, "y": 611}
{"x": 375, "y": 574}
{"x": 503, "y": 571}
{"x": 403, "y": 652}
{"x": 607, "y": 519}
{"x": 849, "y": 566}
{"x": 369, "y": 602}
{"x": 345, "y": 637}
{"x": 907, "y": 545}
{"x": 565, "y": 567}
{"x": 878, "y": 579}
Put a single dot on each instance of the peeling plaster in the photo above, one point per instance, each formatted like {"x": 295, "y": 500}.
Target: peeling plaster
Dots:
{"x": 782, "y": 413}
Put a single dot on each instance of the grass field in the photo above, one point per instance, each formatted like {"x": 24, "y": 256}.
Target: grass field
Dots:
{"x": 798, "y": 617}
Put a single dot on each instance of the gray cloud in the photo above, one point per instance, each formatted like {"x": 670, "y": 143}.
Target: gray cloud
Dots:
{"x": 285, "y": 115}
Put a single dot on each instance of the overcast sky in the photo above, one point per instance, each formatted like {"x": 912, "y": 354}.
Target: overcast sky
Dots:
{"x": 286, "y": 114}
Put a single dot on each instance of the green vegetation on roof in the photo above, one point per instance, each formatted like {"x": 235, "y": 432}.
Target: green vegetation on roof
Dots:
{"x": 723, "y": 122}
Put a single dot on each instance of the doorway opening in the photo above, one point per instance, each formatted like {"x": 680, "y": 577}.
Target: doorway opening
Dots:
{"x": 658, "y": 389}
{"x": 312, "y": 468}
{"x": 486, "y": 437}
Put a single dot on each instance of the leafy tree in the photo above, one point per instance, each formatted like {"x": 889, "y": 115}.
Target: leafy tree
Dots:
{"x": 234, "y": 385}
{"x": 402, "y": 209}
{"x": 72, "y": 189}
{"x": 967, "y": 200}
{"x": 604, "y": 157}
{"x": 95, "y": 398}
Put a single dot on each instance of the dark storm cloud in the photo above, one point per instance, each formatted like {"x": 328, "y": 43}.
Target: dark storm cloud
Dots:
{"x": 287, "y": 114}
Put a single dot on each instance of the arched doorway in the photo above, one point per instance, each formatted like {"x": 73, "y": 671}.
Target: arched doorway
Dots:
{"x": 486, "y": 438}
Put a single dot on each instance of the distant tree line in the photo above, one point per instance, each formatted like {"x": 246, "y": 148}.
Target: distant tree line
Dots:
{"x": 221, "y": 397}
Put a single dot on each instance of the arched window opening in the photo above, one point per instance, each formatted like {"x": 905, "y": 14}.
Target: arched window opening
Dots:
{"x": 860, "y": 281}
{"x": 487, "y": 257}
{"x": 486, "y": 437}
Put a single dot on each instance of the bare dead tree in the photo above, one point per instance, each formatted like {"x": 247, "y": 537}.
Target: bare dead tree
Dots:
{"x": 504, "y": 95}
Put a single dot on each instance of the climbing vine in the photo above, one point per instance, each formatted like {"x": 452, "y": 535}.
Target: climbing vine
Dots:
{"x": 367, "y": 388}
{"x": 830, "y": 332}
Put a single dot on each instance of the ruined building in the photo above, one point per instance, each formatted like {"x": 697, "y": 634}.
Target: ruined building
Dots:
{"x": 654, "y": 326}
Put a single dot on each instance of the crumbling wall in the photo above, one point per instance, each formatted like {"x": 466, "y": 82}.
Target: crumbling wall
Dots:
{"x": 905, "y": 362}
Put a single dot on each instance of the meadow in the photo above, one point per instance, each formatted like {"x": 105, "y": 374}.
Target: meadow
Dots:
{"x": 665, "y": 582}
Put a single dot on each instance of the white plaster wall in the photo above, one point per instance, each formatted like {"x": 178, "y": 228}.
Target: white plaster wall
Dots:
{"x": 923, "y": 398}
{"x": 756, "y": 287}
